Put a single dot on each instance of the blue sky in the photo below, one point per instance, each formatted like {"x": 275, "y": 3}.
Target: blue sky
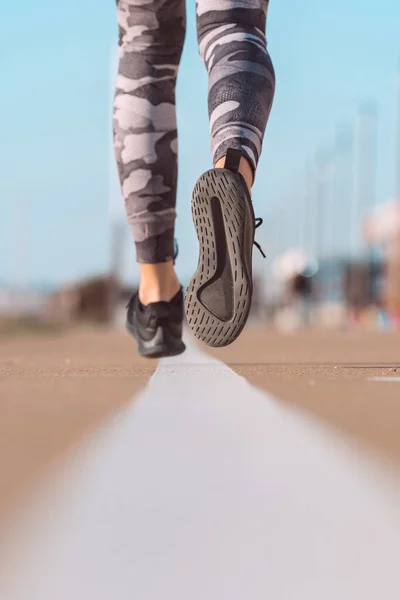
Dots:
{"x": 54, "y": 121}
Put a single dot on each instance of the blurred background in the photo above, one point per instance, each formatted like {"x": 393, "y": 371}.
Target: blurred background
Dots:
{"x": 328, "y": 186}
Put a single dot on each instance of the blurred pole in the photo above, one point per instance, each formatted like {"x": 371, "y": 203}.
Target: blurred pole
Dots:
{"x": 344, "y": 168}
{"x": 302, "y": 213}
{"x": 323, "y": 218}
{"x": 330, "y": 224}
{"x": 311, "y": 210}
{"x": 330, "y": 227}
{"x": 366, "y": 167}
{"x": 322, "y": 182}
{"x": 293, "y": 215}
{"x": 397, "y": 158}
{"x": 337, "y": 213}
{"x": 305, "y": 234}
{"x": 279, "y": 231}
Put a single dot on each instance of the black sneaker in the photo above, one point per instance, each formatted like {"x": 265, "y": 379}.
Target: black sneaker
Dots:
{"x": 157, "y": 327}
{"x": 218, "y": 298}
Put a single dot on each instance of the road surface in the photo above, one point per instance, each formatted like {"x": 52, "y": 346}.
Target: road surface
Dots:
{"x": 259, "y": 462}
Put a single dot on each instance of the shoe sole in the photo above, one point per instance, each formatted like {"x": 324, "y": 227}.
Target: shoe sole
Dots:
{"x": 163, "y": 350}
{"x": 218, "y": 297}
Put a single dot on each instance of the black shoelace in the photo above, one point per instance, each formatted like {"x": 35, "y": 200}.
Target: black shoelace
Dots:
{"x": 257, "y": 223}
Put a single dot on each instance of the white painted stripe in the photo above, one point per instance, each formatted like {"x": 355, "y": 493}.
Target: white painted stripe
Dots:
{"x": 207, "y": 488}
{"x": 385, "y": 379}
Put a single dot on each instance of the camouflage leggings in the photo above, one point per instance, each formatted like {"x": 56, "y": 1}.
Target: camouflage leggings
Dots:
{"x": 231, "y": 35}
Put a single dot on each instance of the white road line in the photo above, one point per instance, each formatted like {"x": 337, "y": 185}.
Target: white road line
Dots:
{"x": 205, "y": 488}
{"x": 385, "y": 379}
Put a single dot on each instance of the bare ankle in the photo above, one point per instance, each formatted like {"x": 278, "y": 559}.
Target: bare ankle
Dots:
{"x": 158, "y": 282}
{"x": 245, "y": 169}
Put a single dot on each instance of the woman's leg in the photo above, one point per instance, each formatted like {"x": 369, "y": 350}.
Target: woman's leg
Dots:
{"x": 232, "y": 43}
{"x": 145, "y": 134}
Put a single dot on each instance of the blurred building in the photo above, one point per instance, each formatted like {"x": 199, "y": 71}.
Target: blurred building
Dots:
{"x": 100, "y": 300}
{"x": 16, "y": 301}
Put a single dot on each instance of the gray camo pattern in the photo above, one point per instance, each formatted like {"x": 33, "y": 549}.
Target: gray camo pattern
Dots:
{"x": 232, "y": 43}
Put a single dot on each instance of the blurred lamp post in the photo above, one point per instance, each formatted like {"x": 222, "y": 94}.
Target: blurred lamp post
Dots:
{"x": 365, "y": 172}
